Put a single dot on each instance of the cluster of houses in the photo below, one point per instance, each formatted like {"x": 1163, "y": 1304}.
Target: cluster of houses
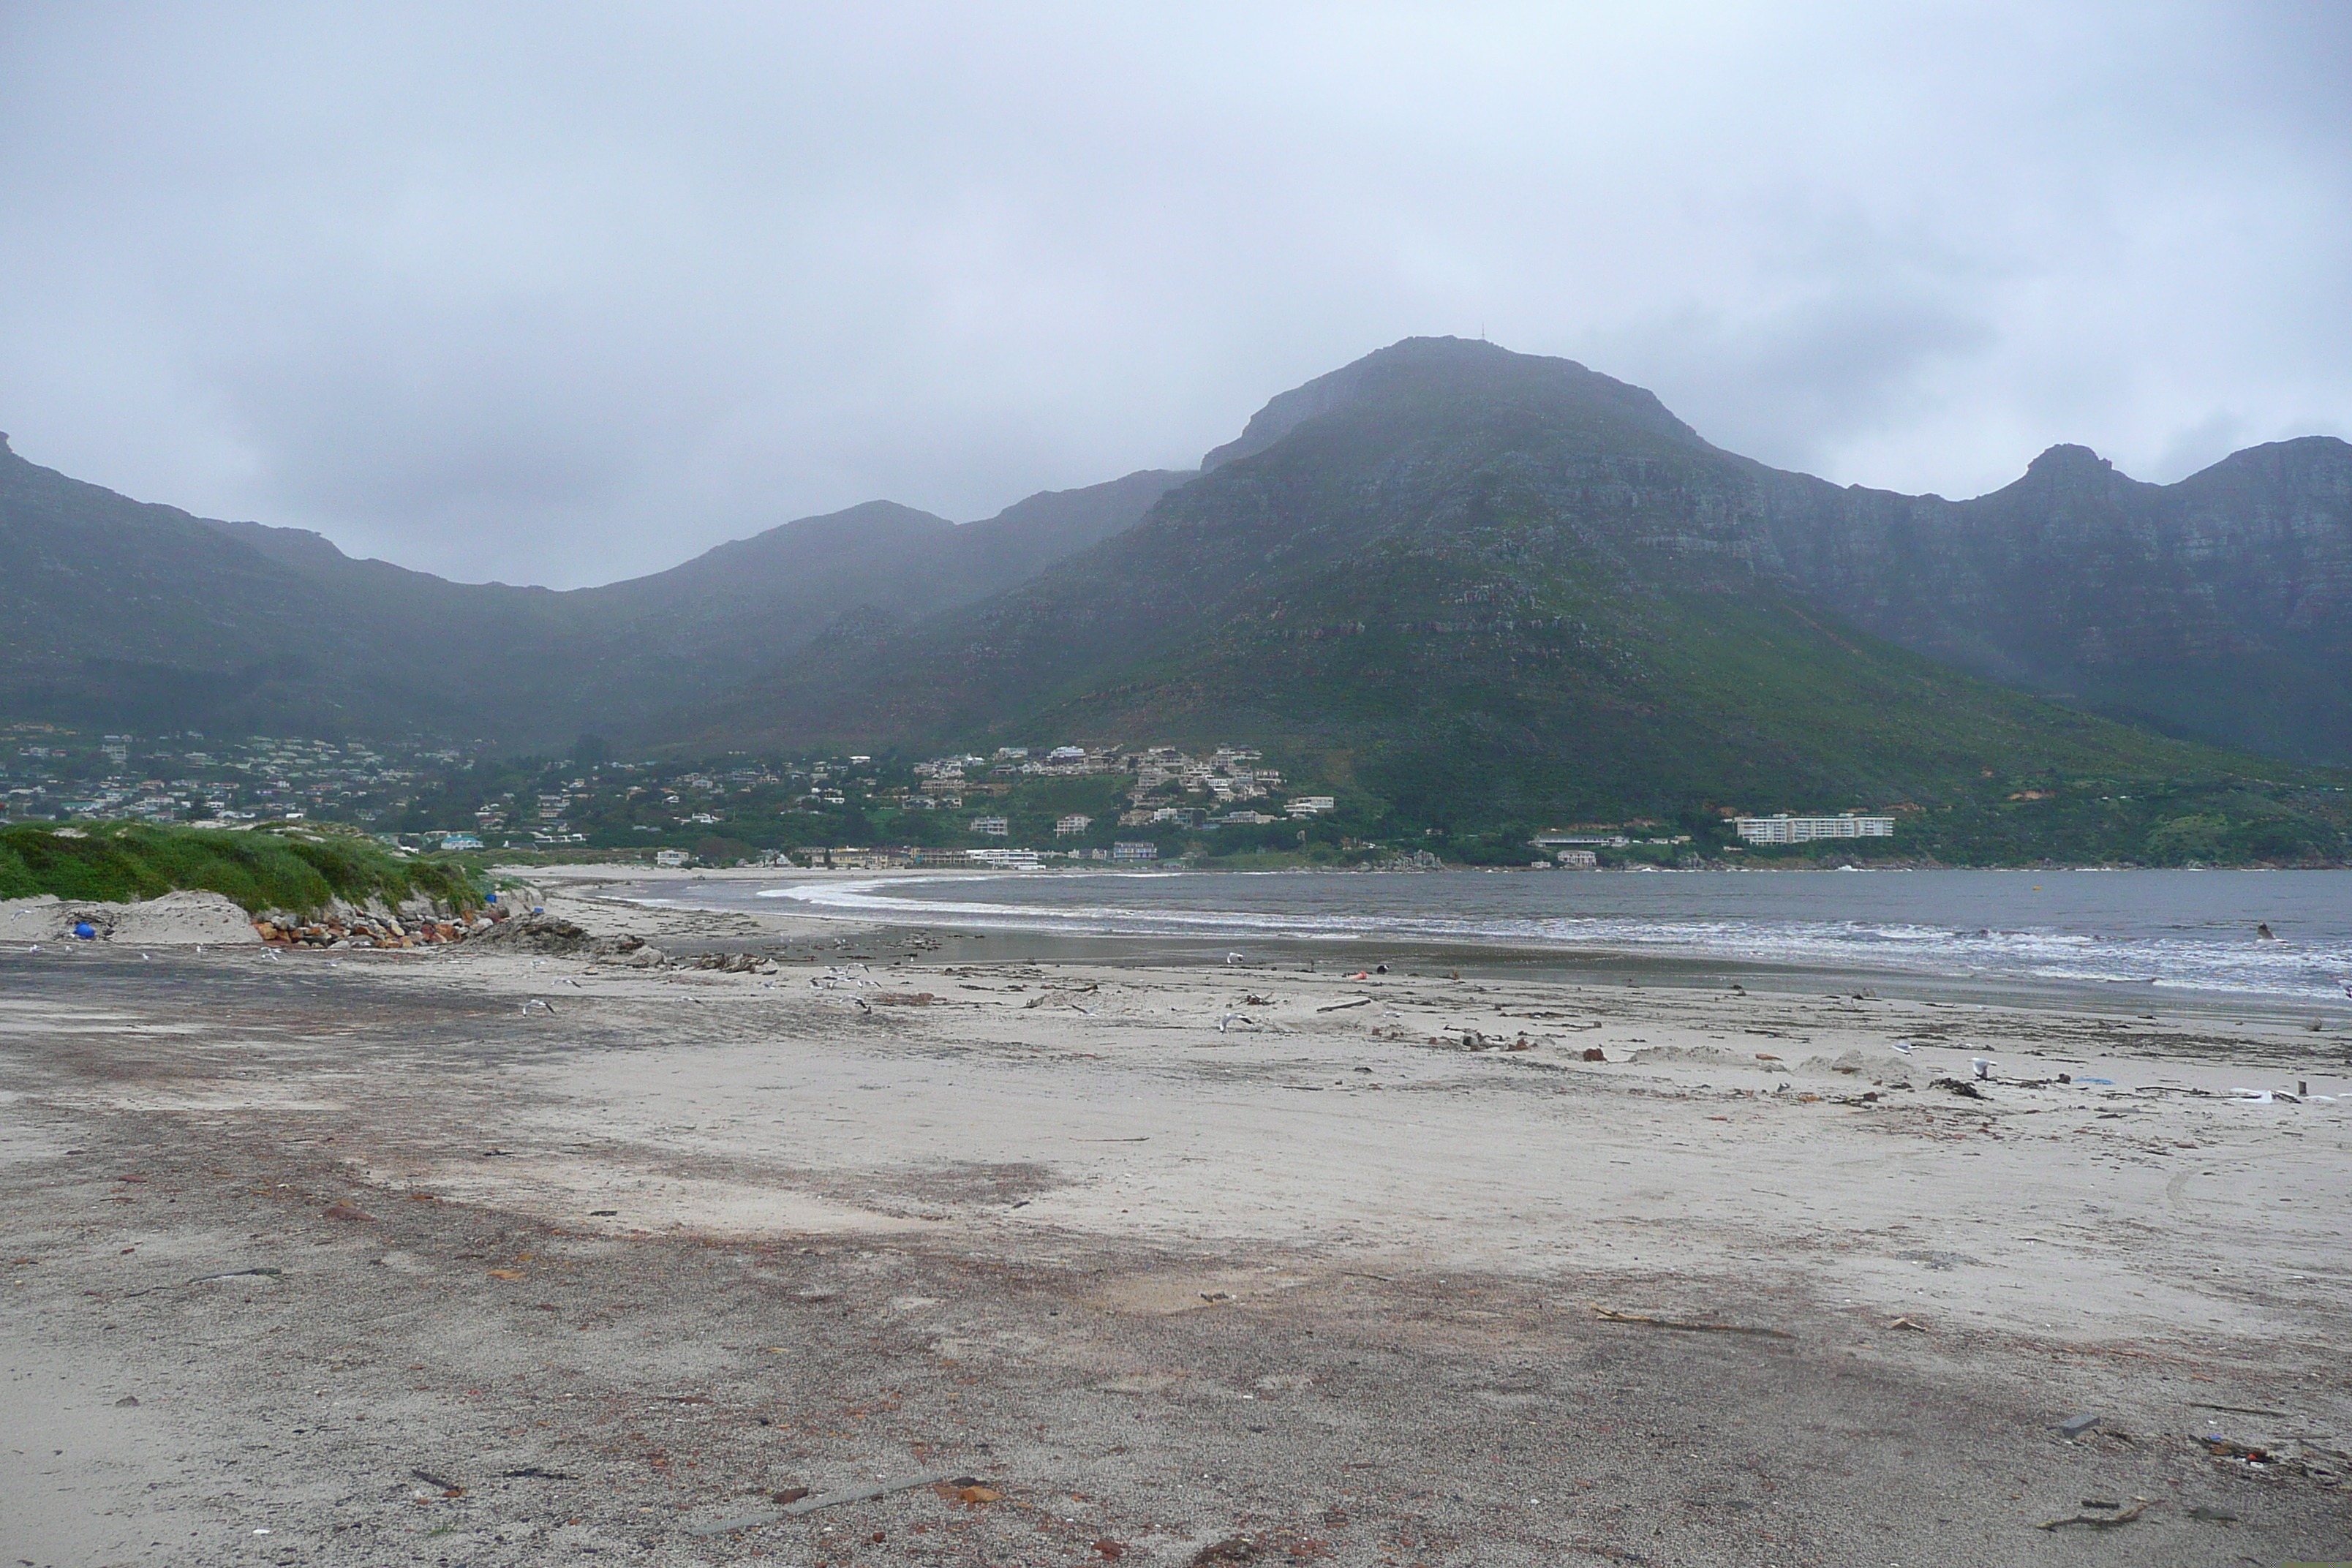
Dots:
{"x": 1172, "y": 788}
{"x": 50, "y": 773}
{"x": 1168, "y": 781}
{"x": 1165, "y": 787}
{"x": 947, "y": 782}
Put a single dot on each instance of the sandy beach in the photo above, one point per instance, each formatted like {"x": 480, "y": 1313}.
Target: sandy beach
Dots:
{"x": 511, "y": 1252}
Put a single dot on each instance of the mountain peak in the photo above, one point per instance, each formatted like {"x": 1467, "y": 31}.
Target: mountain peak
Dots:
{"x": 2069, "y": 473}
{"x": 2067, "y": 461}
{"x": 1463, "y": 368}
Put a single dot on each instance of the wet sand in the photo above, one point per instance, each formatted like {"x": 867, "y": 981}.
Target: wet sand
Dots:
{"x": 1163, "y": 1255}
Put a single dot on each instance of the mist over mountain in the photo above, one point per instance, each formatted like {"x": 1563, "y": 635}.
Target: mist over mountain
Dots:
{"x": 1468, "y": 579}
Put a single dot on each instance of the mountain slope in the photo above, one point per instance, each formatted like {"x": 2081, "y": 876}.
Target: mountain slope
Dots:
{"x": 736, "y": 609}
{"x": 1483, "y": 583}
{"x": 118, "y": 613}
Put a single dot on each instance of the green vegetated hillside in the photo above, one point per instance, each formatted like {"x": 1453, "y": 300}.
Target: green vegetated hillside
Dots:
{"x": 1480, "y": 592}
{"x": 299, "y": 873}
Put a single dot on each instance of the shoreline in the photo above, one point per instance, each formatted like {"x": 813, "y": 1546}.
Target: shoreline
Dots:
{"x": 1287, "y": 865}
{"x": 1042, "y": 941}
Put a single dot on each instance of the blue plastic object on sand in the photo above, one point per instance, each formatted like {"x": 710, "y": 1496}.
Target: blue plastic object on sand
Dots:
{"x": 84, "y": 930}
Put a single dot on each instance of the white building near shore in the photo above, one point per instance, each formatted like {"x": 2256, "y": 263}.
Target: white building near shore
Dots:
{"x": 1784, "y": 828}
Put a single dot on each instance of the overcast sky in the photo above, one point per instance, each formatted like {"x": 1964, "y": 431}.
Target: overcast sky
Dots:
{"x": 569, "y": 292}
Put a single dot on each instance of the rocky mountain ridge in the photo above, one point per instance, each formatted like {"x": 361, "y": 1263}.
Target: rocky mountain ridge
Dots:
{"x": 1444, "y": 537}
{"x": 1473, "y": 582}
{"x": 2219, "y": 607}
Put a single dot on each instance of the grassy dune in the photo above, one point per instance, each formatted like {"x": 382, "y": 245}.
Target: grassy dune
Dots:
{"x": 295, "y": 872}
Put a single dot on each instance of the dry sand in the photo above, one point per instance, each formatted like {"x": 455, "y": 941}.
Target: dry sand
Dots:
{"x": 174, "y": 919}
{"x": 1159, "y": 1256}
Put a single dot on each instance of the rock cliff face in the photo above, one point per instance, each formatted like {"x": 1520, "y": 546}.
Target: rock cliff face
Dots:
{"x": 2220, "y": 607}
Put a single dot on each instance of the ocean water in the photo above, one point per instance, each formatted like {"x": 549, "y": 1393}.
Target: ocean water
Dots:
{"x": 2179, "y": 931}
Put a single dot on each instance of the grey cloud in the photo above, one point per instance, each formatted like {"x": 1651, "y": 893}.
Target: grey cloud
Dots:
{"x": 1792, "y": 386}
{"x": 558, "y": 293}
{"x": 2195, "y": 447}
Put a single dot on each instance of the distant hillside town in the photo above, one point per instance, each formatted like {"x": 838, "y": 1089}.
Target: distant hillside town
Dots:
{"x": 1015, "y": 807}
{"x": 1078, "y": 803}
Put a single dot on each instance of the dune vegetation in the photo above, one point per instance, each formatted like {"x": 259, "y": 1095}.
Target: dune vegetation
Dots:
{"x": 296, "y": 871}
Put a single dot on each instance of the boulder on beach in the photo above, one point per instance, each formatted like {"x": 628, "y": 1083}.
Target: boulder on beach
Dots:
{"x": 552, "y": 936}
{"x": 547, "y": 934}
